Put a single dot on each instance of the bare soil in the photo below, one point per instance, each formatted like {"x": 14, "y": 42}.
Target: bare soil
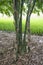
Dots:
{"x": 7, "y": 57}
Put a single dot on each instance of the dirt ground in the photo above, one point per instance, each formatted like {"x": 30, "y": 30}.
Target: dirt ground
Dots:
{"x": 35, "y": 56}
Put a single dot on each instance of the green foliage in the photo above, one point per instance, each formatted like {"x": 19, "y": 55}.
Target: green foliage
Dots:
{"x": 6, "y": 6}
{"x": 38, "y": 6}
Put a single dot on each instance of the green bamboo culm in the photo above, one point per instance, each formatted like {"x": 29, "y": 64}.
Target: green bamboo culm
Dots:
{"x": 18, "y": 8}
{"x": 16, "y": 17}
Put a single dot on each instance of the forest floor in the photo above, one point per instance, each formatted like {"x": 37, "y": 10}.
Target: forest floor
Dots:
{"x": 35, "y": 56}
